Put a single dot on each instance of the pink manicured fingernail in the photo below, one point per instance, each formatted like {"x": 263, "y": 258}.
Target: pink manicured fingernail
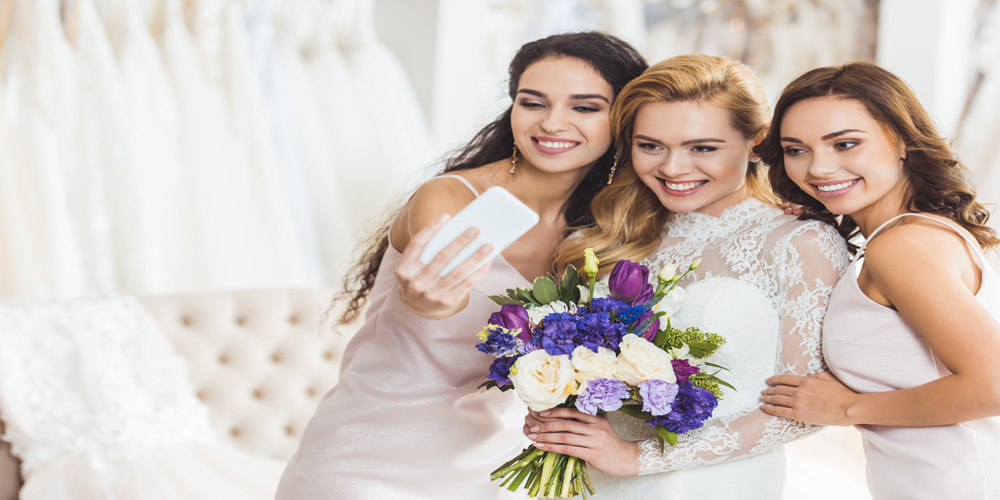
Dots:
{"x": 532, "y": 436}
{"x": 442, "y": 218}
{"x": 539, "y": 445}
{"x": 534, "y": 429}
{"x": 471, "y": 231}
{"x": 486, "y": 249}
{"x": 544, "y": 413}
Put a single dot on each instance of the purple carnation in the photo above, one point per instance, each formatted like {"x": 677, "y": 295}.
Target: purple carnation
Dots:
{"x": 683, "y": 369}
{"x": 692, "y": 406}
{"x": 558, "y": 333}
{"x": 498, "y": 344}
{"x": 500, "y": 370}
{"x": 657, "y": 396}
{"x": 602, "y": 394}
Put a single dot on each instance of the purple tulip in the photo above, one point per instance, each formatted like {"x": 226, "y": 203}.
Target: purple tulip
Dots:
{"x": 629, "y": 281}
{"x": 653, "y": 329}
{"x": 511, "y": 317}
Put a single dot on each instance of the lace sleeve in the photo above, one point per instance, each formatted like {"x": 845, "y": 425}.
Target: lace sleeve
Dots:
{"x": 807, "y": 263}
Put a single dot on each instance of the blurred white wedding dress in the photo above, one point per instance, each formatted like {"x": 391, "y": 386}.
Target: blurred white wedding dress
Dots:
{"x": 97, "y": 406}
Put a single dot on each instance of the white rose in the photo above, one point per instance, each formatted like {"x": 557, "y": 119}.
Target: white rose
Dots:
{"x": 671, "y": 304}
{"x": 592, "y": 365}
{"x": 641, "y": 361}
{"x": 543, "y": 381}
{"x": 684, "y": 353}
{"x": 538, "y": 313}
{"x": 601, "y": 289}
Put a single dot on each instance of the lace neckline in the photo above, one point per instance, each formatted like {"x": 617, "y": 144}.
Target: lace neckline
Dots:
{"x": 731, "y": 218}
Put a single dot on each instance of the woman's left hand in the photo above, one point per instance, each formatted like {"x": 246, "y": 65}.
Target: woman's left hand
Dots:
{"x": 820, "y": 399}
{"x": 587, "y": 437}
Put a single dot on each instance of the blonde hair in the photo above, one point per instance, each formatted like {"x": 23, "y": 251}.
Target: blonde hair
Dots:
{"x": 628, "y": 216}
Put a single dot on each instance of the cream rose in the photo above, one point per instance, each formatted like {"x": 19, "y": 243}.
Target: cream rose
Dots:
{"x": 592, "y": 365}
{"x": 543, "y": 381}
{"x": 641, "y": 361}
{"x": 538, "y": 313}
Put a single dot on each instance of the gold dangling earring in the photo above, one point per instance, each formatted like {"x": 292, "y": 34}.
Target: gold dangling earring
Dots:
{"x": 613, "y": 167}
{"x": 513, "y": 161}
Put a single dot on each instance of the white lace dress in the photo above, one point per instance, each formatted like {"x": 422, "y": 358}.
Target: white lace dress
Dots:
{"x": 97, "y": 406}
{"x": 764, "y": 284}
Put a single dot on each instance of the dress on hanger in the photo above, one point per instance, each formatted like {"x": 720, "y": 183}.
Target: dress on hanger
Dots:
{"x": 97, "y": 406}
{"x": 871, "y": 348}
{"x": 763, "y": 284}
{"x": 40, "y": 100}
{"x": 297, "y": 23}
{"x": 155, "y": 135}
{"x": 407, "y": 419}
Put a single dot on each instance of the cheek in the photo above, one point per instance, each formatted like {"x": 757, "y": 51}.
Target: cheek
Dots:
{"x": 598, "y": 132}
{"x": 520, "y": 122}
{"x": 644, "y": 164}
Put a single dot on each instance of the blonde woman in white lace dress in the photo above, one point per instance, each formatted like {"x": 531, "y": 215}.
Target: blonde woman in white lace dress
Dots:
{"x": 689, "y": 188}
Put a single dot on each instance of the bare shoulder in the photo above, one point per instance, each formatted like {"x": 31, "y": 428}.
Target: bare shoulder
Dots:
{"x": 916, "y": 244}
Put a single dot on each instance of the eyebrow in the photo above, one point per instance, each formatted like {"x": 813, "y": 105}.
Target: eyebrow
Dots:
{"x": 685, "y": 143}
{"x": 574, "y": 96}
{"x": 826, "y": 137}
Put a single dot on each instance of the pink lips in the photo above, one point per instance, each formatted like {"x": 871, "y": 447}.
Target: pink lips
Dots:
{"x": 671, "y": 192}
{"x": 838, "y": 193}
{"x": 552, "y": 151}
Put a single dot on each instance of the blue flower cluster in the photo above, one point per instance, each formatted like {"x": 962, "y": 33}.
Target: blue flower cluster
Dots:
{"x": 607, "y": 305}
{"x": 500, "y": 370}
{"x": 499, "y": 343}
{"x": 562, "y": 332}
{"x": 692, "y": 406}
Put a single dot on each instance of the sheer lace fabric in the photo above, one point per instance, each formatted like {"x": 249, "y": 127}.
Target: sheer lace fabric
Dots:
{"x": 764, "y": 283}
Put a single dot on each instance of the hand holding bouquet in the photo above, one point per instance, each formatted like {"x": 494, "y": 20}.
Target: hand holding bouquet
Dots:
{"x": 599, "y": 348}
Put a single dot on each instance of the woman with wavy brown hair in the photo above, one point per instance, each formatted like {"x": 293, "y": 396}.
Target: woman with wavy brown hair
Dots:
{"x": 912, "y": 339}
{"x": 691, "y": 187}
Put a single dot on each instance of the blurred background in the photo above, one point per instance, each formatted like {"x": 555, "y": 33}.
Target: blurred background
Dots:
{"x": 162, "y": 146}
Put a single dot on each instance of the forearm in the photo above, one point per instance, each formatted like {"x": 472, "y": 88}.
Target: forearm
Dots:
{"x": 949, "y": 400}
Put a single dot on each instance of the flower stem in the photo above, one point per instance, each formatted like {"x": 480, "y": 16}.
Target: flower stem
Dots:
{"x": 547, "y": 465}
{"x": 568, "y": 477}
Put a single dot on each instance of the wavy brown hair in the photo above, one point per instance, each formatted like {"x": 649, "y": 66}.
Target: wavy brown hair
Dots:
{"x": 628, "y": 217}
{"x": 615, "y": 60}
{"x": 937, "y": 183}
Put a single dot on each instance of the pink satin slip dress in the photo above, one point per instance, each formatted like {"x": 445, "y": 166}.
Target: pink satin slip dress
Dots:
{"x": 407, "y": 420}
{"x": 871, "y": 348}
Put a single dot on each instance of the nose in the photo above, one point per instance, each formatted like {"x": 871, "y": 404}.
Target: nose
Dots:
{"x": 675, "y": 165}
{"x": 824, "y": 164}
{"x": 555, "y": 120}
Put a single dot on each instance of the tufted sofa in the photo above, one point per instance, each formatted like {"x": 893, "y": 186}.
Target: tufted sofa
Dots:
{"x": 260, "y": 360}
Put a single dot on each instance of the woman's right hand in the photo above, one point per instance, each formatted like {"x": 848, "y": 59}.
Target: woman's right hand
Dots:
{"x": 421, "y": 288}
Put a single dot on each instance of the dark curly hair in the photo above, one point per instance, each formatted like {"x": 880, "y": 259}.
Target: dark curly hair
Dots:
{"x": 937, "y": 182}
{"x": 615, "y": 60}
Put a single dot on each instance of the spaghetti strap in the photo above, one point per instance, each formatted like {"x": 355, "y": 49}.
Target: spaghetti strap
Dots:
{"x": 464, "y": 181}
{"x": 974, "y": 245}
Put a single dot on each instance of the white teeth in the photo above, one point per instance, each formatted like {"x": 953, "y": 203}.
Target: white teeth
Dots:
{"x": 836, "y": 187}
{"x": 687, "y": 186}
{"x": 557, "y": 145}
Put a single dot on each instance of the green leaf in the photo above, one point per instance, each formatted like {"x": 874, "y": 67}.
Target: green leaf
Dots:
{"x": 488, "y": 384}
{"x": 723, "y": 382}
{"x": 669, "y": 437}
{"x": 545, "y": 290}
{"x": 660, "y": 440}
{"x": 717, "y": 366}
{"x": 502, "y": 301}
{"x": 526, "y": 295}
{"x": 635, "y": 412}
{"x": 570, "y": 278}
{"x": 512, "y": 293}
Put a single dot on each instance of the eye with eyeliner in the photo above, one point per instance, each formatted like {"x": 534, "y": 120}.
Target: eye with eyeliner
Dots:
{"x": 704, "y": 149}
{"x": 647, "y": 146}
{"x": 793, "y": 151}
{"x": 846, "y": 145}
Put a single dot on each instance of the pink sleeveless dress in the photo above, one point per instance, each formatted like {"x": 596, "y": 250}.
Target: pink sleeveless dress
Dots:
{"x": 406, "y": 420}
{"x": 872, "y": 349}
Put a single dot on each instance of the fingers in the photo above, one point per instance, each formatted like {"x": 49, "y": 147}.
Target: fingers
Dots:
{"x": 433, "y": 269}
{"x": 563, "y": 426}
{"x": 459, "y": 281}
{"x": 573, "y": 451}
{"x": 778, "y": 400}
{"x": 571, "y": 413}
{"x": 824, "y": 376}
{"x": 777, "y": 411}
{"x": 411, "y": 254}
{"x": 790, "y": 380}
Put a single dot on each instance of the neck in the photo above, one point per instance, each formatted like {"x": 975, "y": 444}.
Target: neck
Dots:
{"x": 871, "y": 217}
{"x": 716, "y": 208}
{"x": 544, "y": 192}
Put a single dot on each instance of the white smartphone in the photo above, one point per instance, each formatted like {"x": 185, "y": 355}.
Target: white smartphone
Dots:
{"x": 499, "y": 216}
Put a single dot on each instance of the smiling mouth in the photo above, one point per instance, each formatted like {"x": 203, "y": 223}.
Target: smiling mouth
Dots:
{"x": 683, "y": 186}
{"x": 556, "y": 144}
{"x": 836, "y": 187}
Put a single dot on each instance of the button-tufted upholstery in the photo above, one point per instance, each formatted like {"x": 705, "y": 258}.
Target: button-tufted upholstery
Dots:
{"x": 260, "y": 360}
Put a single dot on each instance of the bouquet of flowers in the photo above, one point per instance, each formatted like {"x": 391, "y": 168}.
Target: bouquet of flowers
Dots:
{"x": 600, "y": 348}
